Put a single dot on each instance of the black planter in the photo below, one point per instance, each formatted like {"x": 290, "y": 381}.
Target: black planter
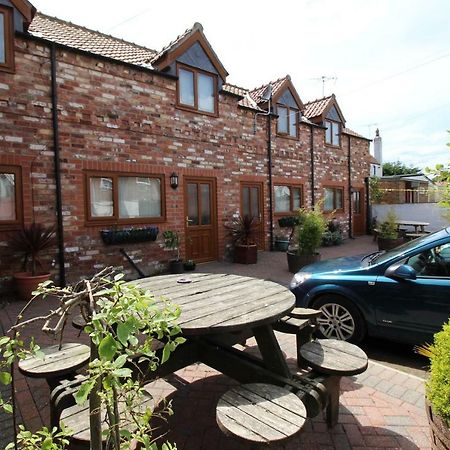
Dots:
{"x": 189, "y": 266}
{"x": 281, "y": 245}
{"x": 129, "y": 235}
{"x": 297, "y": 261}
{"x": 245, "y": 254}
{"x": 176, "y": 266}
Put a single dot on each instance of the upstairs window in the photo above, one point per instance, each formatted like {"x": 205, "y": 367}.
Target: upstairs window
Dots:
{"x": 124, "y": 198}
{"x": 10, "y": 197}
{"x": 6, "y": 39}
{"x": 334, "y": 199}
{"x": 197, "y": 90}
{"x": 333, "y": 133}
{"x": 287, "y": 121}
{"x": 288, "y": 199}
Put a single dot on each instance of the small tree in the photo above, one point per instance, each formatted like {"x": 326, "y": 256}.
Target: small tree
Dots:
{"x": 115, "y": 313}
{"x": 399, "y": 168}
{"x": 442, "y": 176}
{"x": 310, "y": 230}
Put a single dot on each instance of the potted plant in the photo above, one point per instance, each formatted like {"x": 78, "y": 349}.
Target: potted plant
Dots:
{"x": 189, "y": 265}
{"x": 172, "y": 241}
{"x": 282, "y": 242}
{"x": 30, "y": 242}
{"x": 332, "y": 234}
{"x": 438, "y": 388}
{"x": 388, "y": 235}
{"x": 243, "y": 231}
{"x": 308, "y": 234}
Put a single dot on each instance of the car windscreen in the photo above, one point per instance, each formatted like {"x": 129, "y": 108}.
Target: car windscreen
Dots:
{"x": 404, "y": 248}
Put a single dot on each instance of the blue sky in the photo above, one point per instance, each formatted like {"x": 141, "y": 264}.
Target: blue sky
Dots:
{"x": 390, "y": 58}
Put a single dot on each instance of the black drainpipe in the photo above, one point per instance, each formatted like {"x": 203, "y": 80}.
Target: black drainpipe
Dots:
{"x": 311, "y": 153}
{"x": 349, "y": 162}
{"x": 57, "y": 168}
{"x": 269, "y": 158}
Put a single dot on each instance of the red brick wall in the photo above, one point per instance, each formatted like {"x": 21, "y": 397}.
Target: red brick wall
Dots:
{"x": 115, "y": 118}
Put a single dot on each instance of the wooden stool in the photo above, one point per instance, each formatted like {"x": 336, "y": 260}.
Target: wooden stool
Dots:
{"x": 76, "y": 418}
{"x": 260, "y": 413}
{"x": 57, "y": 364}
{"x": 336, "y": 359}
{"x": 302, "y": 323}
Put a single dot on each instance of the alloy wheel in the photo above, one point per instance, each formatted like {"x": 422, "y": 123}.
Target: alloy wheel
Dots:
{"x": 336, "y": 322}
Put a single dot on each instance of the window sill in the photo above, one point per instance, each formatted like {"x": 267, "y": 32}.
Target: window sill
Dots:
{"x": 196, "y": 111}
{"x": 123, "y": 222}
{"x": 333, "y": 146}
{"x": 287, "y": 136}
{"x": 10, "y": 226}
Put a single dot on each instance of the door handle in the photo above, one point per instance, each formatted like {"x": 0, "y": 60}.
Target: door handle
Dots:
{"x": 188, "y": 220}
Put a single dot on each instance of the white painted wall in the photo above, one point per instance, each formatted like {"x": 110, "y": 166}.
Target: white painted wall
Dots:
{"x": 422, "y": 212}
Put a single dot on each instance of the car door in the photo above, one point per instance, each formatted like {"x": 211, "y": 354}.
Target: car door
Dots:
{"x": 416, "y": 308}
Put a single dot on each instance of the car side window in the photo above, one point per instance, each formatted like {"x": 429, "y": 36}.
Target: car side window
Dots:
{"x": 434, "y": 262}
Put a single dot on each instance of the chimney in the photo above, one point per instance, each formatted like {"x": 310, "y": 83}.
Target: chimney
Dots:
{"x": 378, "y": 149}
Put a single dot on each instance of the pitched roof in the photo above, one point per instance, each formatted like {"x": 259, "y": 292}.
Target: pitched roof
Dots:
{"x": 177, "y": 47}
{"x": 246, "y": 100}
{"x": 355, "y": 134}
{"x": 82, "y": 38}
{"x": 257, "y": 93}
{"x": 373, "y": 160}
{"x": 26, "y": 9}
{"x": 317, "y": 107}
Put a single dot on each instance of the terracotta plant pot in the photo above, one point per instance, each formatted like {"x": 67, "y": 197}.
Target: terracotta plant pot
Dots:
{"x": 297, "y": 261}
{"x": 245, "y": 254}
{"x": 388, "y": 244}
{"x": 440, "y": 433}
{"x": 27, "y": 283}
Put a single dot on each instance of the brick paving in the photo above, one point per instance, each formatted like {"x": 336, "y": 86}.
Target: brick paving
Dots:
{"x": 380, "y": 409}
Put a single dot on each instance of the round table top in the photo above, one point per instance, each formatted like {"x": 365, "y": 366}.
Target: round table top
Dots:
{"x": 57, "y": 362}
{"x": 217, "y": 303}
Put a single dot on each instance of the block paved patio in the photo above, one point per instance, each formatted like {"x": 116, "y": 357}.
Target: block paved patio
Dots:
{"x": 380, "y": 409}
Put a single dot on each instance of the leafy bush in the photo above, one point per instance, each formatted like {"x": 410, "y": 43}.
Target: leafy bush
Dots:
{"x": 243, "y": 230}
{"x": 310, "y": 230}
{"x": 388, "y": 229}
{"x": 31, "y": 241}
{"x": 438, "y": 386}
{"x": 172, "y": 241}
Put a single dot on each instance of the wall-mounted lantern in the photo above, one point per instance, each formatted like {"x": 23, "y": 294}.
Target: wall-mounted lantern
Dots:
{"x": 174, "y": 180}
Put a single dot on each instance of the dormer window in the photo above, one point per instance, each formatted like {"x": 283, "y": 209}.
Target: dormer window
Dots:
{"x": 333, "y": 133}
{"x": 6, "y": 39}
{"x": 197, "y": 90}
{"x": 287, "y": 121}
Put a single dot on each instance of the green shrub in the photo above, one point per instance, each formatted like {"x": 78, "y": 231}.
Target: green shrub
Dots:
{"x": 388, "y": 229}
{"x": 438, "y": 386}
{"x": 310, "y": 230}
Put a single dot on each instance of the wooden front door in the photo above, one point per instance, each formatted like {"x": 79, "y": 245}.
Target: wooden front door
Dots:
{"x": 201, "y": 219}
{"x": 358, "y": 212}
{"x": 252, "y": 205}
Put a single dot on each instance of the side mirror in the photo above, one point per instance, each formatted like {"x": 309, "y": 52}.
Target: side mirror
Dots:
{"x": 402, "y": 272}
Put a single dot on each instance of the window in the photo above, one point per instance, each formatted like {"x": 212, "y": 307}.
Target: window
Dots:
{"x": 124, "y": 198}
{"x": 287, "y": 121}
{"x": 10, "y": 197}
{"x": 332, "y": 133}
{"x": 334, "y": 199}
{"x": 6, "y": 39}
{"x": 197, "y": 90}
{"x": 287, "y": 198}
{"x": 434, "y": 262}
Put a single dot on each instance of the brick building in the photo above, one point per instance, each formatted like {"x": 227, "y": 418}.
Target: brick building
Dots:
{"x": 93, "y": 128}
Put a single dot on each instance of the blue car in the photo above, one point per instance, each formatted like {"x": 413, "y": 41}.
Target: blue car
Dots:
{"x": 402, "y": 294}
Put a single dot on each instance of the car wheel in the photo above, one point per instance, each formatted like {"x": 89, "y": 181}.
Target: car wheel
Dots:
{"x": 340, "y": 319}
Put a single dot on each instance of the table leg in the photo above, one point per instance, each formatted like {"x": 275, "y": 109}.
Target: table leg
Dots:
{"x": 270, "y": 350}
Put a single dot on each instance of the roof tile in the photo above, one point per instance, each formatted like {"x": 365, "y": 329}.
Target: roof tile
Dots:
{"x": 316, "y": 107}
{"x": 75, "y": 36}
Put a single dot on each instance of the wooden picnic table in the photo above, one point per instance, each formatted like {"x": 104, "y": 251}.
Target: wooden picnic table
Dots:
{"x": 220, "y": 310}
{"x": 418, "y": 226}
